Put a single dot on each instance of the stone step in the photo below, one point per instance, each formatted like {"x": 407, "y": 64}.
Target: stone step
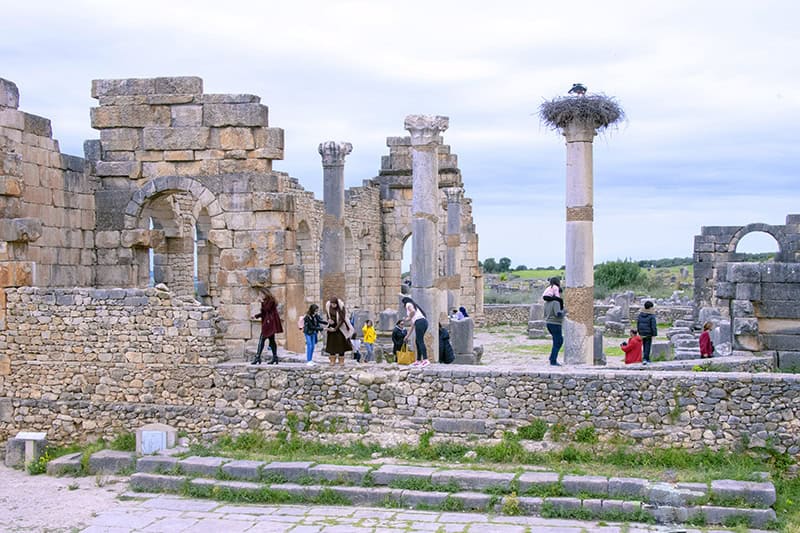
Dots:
{"x": 671, "y": 504}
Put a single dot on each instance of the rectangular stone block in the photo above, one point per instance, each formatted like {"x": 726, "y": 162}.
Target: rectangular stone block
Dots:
{"x": 249, "y": 470}
{"x": 780, "y": 291}
{"x": 37, "y": 125}
{"x": 780, "y": 272}
{"x": 585, "y": 484}
{"x": 370, "y": 496}
{"x": 120, "y": 139}
{"x": 790, "y": 343}
{"x": 179, "y": 85}
{"x": 778, "y": 309}
{"x": 69, "y": 464}
{"x": 290, "y": 471}
{"x": 459, "y": 425}
{"x": 413, "y": 498}
{"x": 726, "y": 290}
{"x": 122, "y": 87}
{"x": 187, "y": 115}
{"x": 156, "y": 464}
{"x": 744, "y": 273}
{"x": 9, "y": 94}
{"x": 473, "y": 501}
{"x": 228, "y": 99}
{"x": 202, "y": 466}
{"x": 135, "y": 116}
{"x": 788, "y": 361}
{"x": 111, "y": 462}
{"x": 387, "y": 474}
{"x": 175, "y": 138}
{"x": 755, "y": 517}
{"x": 339, "y": 473}
{"x": 11, "y": 118}
{"x": 628, "y": 486}
{"x": 128, "y": 169}
{"x": 748, "y": 291}
{"x": 145, "y": 482}
{"x": 745, "y": 326}
{"x": 217, "y": 115}
{"x": 473, "y": 479}
{"x": 231, "y": 138}
{"x": 536, "y": 481}
{"x": 564, "y": 504}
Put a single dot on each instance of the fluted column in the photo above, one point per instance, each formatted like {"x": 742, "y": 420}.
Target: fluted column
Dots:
{"x": 332, "y": 260}
{"x": 579, "y": 293}
{"x": 452, "y": 266}
{"x": 425, "y": 140}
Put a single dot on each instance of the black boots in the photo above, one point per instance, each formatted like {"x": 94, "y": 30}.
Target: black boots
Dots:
{"x": 273, "y": 361}
{"x": 257, "y": 360}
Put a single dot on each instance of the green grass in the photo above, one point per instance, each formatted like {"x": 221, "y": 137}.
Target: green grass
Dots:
{"x": 537, "y": 274}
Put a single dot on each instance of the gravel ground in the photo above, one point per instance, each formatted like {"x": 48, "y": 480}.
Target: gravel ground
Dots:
{"x": 51, "y": 504}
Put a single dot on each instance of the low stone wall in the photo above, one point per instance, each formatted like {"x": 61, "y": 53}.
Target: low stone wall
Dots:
{"x": 499, "y": 314}
{"x": 76, "y": 401}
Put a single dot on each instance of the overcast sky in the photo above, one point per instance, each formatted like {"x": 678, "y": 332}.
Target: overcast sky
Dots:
{"x": 710, "y": 90}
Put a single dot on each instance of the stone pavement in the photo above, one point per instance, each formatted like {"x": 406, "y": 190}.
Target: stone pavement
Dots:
{"x": 166, "y": 513}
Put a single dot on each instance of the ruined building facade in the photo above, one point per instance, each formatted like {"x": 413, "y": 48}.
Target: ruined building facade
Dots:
{"x": 180, "y": 189}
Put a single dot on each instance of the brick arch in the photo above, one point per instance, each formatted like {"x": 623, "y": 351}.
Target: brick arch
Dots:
{"x": 776, "y": 232}
{"x": 205, "y": 199}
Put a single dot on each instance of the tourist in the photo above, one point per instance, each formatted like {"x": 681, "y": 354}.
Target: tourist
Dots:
{"x": 632, "y": 348}
{"x": 398, "y": 337}
{"x": 455, "y": 315}
{"x": 706, "y": 346}
{"x": 312, "y": 325}
{"x": 416, "y": 317}
{"x": 369, "y": 340}
{"x": 646, "y": 324}
{"x": 446, "y": 354}
{"x": 356, "y": 343}
{"x": 339, "y": 331}
{"x": 270, "y": 325}
{"x": 554, "y": 316}
{"x": 463, "y": 311}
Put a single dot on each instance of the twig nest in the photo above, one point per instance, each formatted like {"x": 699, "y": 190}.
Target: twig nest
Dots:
{"x": 597, "y": 111}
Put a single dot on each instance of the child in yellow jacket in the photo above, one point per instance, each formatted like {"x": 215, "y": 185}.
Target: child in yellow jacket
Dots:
{"x": 369, "y": 340}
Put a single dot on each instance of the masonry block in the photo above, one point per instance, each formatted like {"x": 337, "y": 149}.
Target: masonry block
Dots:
{"x": 473, "y": 479}
{"x": 111, "y": 462}
{"x": 134, "y": 116}
{"x": 536, "y": 480}
{"x": 189, "y": 138}
{"x": 218, "y": 115}
{"x": 179, "y": 85}
{"x": 745, "y": 326}
{"x": 9, "y": 94}
{"x": 243, "y": 469}
{"x": 156, "y": 464}
{"x": 755, "y": 493}
{"x": 744, "y": 273}
{"x": 339, "y": 473}
{"x": 585, "y": 484}
{"x": 37, "y": 125}
{"x": 202, "y": 466}
{"x": 291, "y": 470}
{"x": 386, "y": 474}
{"x": 69, "y": 464}
{"x": 145, "y": 482}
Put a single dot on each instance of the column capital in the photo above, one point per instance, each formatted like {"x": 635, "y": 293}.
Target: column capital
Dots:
{"x": 333, "y": 152}
{"x": 453, "y": 194}
{"x": 579, "y": 131}
{"x": 425, "y": 129}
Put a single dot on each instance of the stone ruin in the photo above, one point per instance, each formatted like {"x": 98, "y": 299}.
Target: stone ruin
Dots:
{"x": 180, "y": 190}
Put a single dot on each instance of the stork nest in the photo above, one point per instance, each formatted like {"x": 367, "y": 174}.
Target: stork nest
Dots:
{"x": 596, "y": 110}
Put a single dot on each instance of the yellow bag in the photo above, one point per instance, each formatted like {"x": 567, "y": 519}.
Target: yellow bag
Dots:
{"x": 405, "y": 356}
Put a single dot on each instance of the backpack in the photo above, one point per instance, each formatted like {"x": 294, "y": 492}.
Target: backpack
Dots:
{"x": 301, "y": 322}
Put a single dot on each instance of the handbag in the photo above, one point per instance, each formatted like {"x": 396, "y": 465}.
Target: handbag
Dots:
{"x": 405, "y": 356}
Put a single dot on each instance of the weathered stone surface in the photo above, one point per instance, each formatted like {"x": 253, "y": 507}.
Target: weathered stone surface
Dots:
{"x": 138, "y": 116}
{"x": 628, "y": 487}
{"x": 413, "y": 498}
{"x": 218, "y": 115}
{"x": 290, "y": 471}
{"x": 339, "y": 473}
{"x": 188, "y": 138}
{"x": 666, "y": 494}
{"x": 242, "y": 469}
{"x": 156, "y": 464}
{"x": 202, "y": 466}
{"x": 69, "y": 464}
{"x": 585, "y": 484}
{"x": 473, "y": 501}
{"x": 146, "y": 482}
{"x": 9, "y": 94}
{"x": 473, "y": 479}
{"x": 759, "y": 494}
{"x": 756, "y": 517}
{"x": 537, "y": 480}
{"x": 458, "y": 425}
{"x": 111, "y": 462}
{"x": 387, "y": 474}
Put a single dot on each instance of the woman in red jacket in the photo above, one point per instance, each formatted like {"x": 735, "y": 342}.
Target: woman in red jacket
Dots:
{"x": 706, "y": 346}
{"x": 270, "y": 325}
{"x": 632, "y": 348}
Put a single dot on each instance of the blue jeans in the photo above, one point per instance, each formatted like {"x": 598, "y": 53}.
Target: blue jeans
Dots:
{"x": 370, "y": 352}
{"x": 558, "y": 341}
{"x": 311, "y": 342}
{"x": 420, "y": 327}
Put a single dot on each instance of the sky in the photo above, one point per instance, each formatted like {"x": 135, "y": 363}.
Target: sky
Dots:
{"x": 710, "y": 91}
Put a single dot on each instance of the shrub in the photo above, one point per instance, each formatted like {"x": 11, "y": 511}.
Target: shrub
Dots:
{"x": 616, "y": 274}
{"x": 533, "y": 431}
{"x": 586, "y": 434}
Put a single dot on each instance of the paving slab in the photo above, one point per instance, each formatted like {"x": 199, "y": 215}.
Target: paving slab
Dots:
{"x": 173, "y": 503}
{"x": 473, "y": 479}
{"x": 387, "y": 474}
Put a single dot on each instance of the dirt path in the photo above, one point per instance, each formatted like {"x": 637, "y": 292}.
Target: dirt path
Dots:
{"x": 52, "y": 504}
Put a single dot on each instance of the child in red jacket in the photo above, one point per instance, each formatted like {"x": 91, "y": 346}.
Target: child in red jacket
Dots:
{"x": 632, "y": 348}
{"x": 706, "y": 346}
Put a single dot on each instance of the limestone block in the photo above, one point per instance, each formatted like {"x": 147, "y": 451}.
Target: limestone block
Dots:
{"x": 743, "y": 273}
{"x": 636, "y": 488}
{"x": 233, "y": 259}
{"x": 187, "y": 115}
{"x": 270, "y": 141}
{"x": 244, "y": 469}
{"x": 17, "y": 273}
{"x": 745, "y": 326}
{"x": 756, "y": 493}
{"x": 748, "y": 291}
{"x": 537, "y": 480}
{"x": 135, "y": 116}
{"x": 202, "y": 466}
{"x": 779, "y": 309}
{"x": 20, "y": 229}
{"x": 69, "y": 464}
{"x": 107, "y": 239}
{"x": 789, "y": 343}
{"x": 123, "y": 87}
{"x": 26, "y": 447}
{"x": 473, "y": 479}
{"x": 585, "y": 484}
{"x": 339, "y": 473}
{"x": 726, "y": 290}
{"x": 231, "y": 138}
{"x": 179, "y": 85}
{"x": 221, "y": 238}
{"x": 780, "y": 272}
{"x": 227, "y": 99}
{"x": 9, "y": 94}
{"x": 387, "y": 474}
{"x": 178, "y": 155}
{"x": 217, "y": 115}
{"x": 290, "y": 471}
{"x": 120, "y": 139}
{"x": 128, "y": 169}
{"x": 536, "y": 312}
{"x": 37, "y": 125}
{"x": 788, "y": 361}
{"x": 145, "y": 482}
{"x": 462, "y": 335}
{"x": 156, "y": 463}
{"x": 11, "y": 118}
{"x": 189, "y": 138}
{"x": 111, "y": 462}
{"x": 599, "y": 354}
{"x": 387, "y": 319}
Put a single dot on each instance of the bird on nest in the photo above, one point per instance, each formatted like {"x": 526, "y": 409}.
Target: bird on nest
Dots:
{"x": 578, "y": 89}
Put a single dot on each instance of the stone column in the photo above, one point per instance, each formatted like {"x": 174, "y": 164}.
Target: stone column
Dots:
{"x": 452, "y": 267}
{"x": 333, "y": 243}
{"x": 425, "y": 140}
{"x": 579, "y": 287}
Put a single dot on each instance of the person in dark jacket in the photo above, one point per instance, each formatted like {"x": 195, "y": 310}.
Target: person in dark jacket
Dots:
{"x": 270, "y": 325}
{"x": 312, "y": 325}
{"x": 446, "y": 354}
{"x": 398, "y": 336}
{"x": 647, "y": 327}
{"x": 554, "y": 316}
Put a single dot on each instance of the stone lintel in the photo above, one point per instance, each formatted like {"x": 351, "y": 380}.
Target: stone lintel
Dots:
{"x": 425, "y": 129}
{"x": 333, "y": 153}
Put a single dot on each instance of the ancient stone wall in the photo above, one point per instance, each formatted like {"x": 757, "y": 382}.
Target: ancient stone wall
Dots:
{"x": 47, "y": 215}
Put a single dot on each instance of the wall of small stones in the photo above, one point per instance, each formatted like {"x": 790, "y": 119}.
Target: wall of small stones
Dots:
{"x": 496, "y": 315}
{"x": 89, "y": 362}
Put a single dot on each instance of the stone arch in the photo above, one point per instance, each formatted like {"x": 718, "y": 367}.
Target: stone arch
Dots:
{"x": 185, "y": 213}
{"x": 776, "y": 233}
